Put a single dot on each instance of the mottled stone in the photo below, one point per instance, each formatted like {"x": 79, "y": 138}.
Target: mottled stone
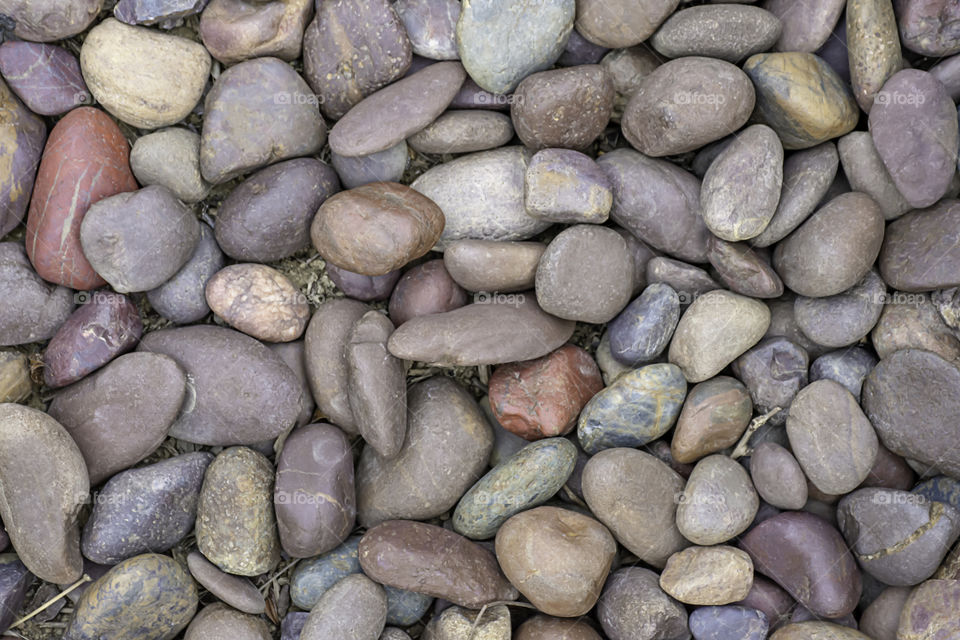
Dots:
{"x": 15, "y": 385}
{"x": 714, "y": 416}
{"x": 541, "y": 627}
{"x": 217, "y": 621}
{"x": 235, "y": 30}
{"x": 718, "y": 503}
{"x": 394, "y": 113}
{"x": 149, "y": 596}
{"x": 643, "y": 329}
{"x": 874, "y": 47}
{"x": 182, "y": 298}
{"x": 15, "y": 580}
{"x": 774, "y": 371}
{"x": 236, "y": 526}
{"x": 431, "y": 560}
{"x": 355, "y": 607}
{"x": 816, "y": 630}
{"x": 708, "y": 575}
{"x": 636, "y": 496}
{"x": 744, "y": 269}
{"x": 801, "y": 98}
{"x": 809, "y": 558}
{"x": 164, "y": 12}
{"x": 882, "y": 617}
{"x": 46, "y": 77}
{"x": 634, "y": 606}
{"x": 239, "y": 593}
{"x": 171, "y": 158}
{"x": 563, "y": 185}
{"x": 457, "y": 623}
{"x": 22, "y": 136}
{"x": 728, "y": 622}
{"x": 258, "y": 300}
{"x": 929, "y": 611}
{"x": 352, "y": 49}
{"x": 911, "y": 321}
{"x": 46, "y": 21}
{"x": 148, "y": 509}
{"x": 431, "y": 26}
{"x": 729, "y": 32}
{"x": 929, "y": 27}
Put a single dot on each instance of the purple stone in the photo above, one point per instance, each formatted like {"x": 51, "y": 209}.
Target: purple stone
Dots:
{"x": 361, "y": 287}
{"x": 579, "y": 51}
{"x": 14, "y": 582}
{"x": 46, "y": 77}
{"x": 471, "y": 96}
{"x": 154, "y": 11}
{"x": 107, "y": 326}
{"x": 293, "y": 624}
{"x": 22, "y": 136}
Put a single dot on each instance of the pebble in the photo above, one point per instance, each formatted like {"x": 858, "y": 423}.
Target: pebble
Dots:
{"x": 45, "y": 21}
{"x": 34, "y": 309}
{"x": 642, "y": 331}
{"x": 918, "y": 252}
{"x": 258, "y": 300}
{"x": 728, "y": 623}
{"x": 170, "y": 158}
{"x": 729, "y": 32}
{"x": 638, "y": 407}
{"x": 744, "y": 269}
{"x": 445, "y": 452}
{"x": 900, "y": 538}
{"x": 219, "y": 622}
{"x": 864, "y": 168}
{"x": 481, "y": 195}
{"x": 233, "y": 33}
{"x": 917, "y": 325}
{"x": 236, "y": 527}
{"x": 457, "y": 623}
{"x": 927, "y": 612}
{"x": 239, "y": 593}
{"x": 268, "y": 216}
{"x": 636, "y": 496}
{"x": 312, "y": 577}
{"x": 688, "y": 281}
{"x": 388, "y": 165}
{"x": 816, "y": 630}
{"x": 742, "y": 187}
{"x": 182, "y": 299}
{"x": 396, "y": 112}
{"x": 586, "y": 274}
{"x": 292, "y": 625}
{"x": 909, "y": 397}
{"x": 928, "y": 27}
{"x": 806, "y": 556}
{"x": 355, "y": 607}
{"x": 493, "y": 266}
{"x": 498, "y": 51}
{"x": 146, "y": 597}
{"x": 431, "y": 26}
{"x": 376, "y": 228}
{"x": 15, "y": 385}
{"x": 425, "y": 289}
{"x": 376, "y": 382}
{"x": 146, "y": 78}
{"x": 352, "y": 49}
{"x": 314, "y": 496}
{"x": 559, "y": 558}
{"x": 143, "y": 389}
{"x": 627, "y": 68}
{"x": 253, "y": 116}
{"x": 15, "y": 581}
{"x": 621, "y": 23}
{"x": 527, "y": 479}
{"x": 23, "y": 135}
{"x": 325, "y": 345}
{"x": 914, "y": 128}
{"x": 718, "y": 502}
{"x": 844, "y": 318}
{"x": 147, "y": 509}
{"x": 432, "y": 560}
{"x": 834, "y": 249}
{"x": 808, "y": 29}
{"x": 634, "y": 605}
{"x": 940, "y": 489}
{"x": 83, "y": 144}
{"x": 567, "y": 108}
{"x": 882, "y": 617}
{"x": 463, "y": 131}
{"x": 708, "y": 575}
{"x": 777, "y": 476}
{"x": 874, "y": 46}
{"x": 715, "y": 414}
{"x": 137, "y": 241}
{"x": 46, "y": 77}
{"x": 849, "y": 367}
{"x": 542, "y": 398}
{"x": 361, "y": 287}
{"x": 686, "y": 103}
{"x": 541, "y": 627}
{"x": 496, "y": 329}
{"x": 717, "y": 328}
{"x": 800, "y": 97}
{"x": 774, "y": 371}
{"x": 156, "y": 11}
{"x": 579, "y": 50}
{"x": 566, "y": 186}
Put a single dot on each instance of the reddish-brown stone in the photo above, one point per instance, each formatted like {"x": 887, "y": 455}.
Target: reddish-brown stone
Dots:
{"x": 542, "y": 398}
{"x": 86, "y": 159}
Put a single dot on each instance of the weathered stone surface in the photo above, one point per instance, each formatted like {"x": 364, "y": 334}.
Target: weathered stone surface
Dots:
{"x": 708, "y": 575}
{"x": 633, "y": 603}
{"x": 714, "y": 416}
{"x": 621, "y": 23}
{"x": 46, "y": 77}
{"x": 563, "y": 185}
{"x": 927, "y": 611}
{"x": 874, "y": 47}
{"x": 717, "y": 504}
{"x": 729, "y": 32}
{"x": 217, "y": 621}
{"x": 156, "y": 11}
{"x": 431, "y": 26}
{"x": 919, "y": 251}
{"x": 844, "y": 318}
{"x": 744, "y": 269}
{"x": 463, "y": 131}
{"x": 235, "y": 30}
{"x": 47, "y": 21}
{"x": 355, "y": 607}
{"x": 929, "y": 26}
{"x": 258, "y": 300}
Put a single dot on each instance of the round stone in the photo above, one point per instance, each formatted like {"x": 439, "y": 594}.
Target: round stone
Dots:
{"x": 718, "y": 502}
{"x": 708, "y": 575}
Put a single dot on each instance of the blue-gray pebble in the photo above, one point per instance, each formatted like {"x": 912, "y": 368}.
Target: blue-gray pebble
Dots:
{"x": 502, "y": 41}
{"x": 293, "y": 624}
{"x": 150, "y": 508}
{"x": 529, "y": 478}
{"x": 640, "y": 406}
{"x": 940, "y": 489}
{"x": 847, "y": 367}
{"x": 643, "y": 329}
{"x": 14, "y": 582}
{"x": 728, "y": 623}
{"x": 312, "y": 578}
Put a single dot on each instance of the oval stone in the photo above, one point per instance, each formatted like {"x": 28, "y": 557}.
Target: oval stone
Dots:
{"x": 911, "y": 321}
{"x": 423, "y": 290}
{"x": 258, "y": 300}
{"x": 563, "y": 185}
{"x": 147, "y": 509}
{"x": 834, "y": 249}
{"x": 376, "y": 228}
{"x": 489, "y": 265}
{"x": 743, "y": 269}
{"x": 431, "y": 26}
{"x": 355, "y": 607}
{"x": 236, "y": 526}
{"x": 806, "y": 26}
{"x": 809, "y": 558}
{"x": 777, "y": 476}
{"x": 181, "y": 299}
{"x": 142, "y": 389}
{"x": 84, "y": 161}
{"x": 171, "y": 157}
{"x": 498, "y": 50}
{"x": 234, "y": 30}
{"x": 718, "y": 503}
{"x": 729, "y": 32}
{"x": 844, "y": 318}
{"x": 314, "y": 495}
{"x": 715, "y": 414}
{"x": 636, "y": 496}
{"x": 643, "y": 330}
{"x": 640, "y": 406}
{"x": 708, "y": 575}
{"x": 46, "y": 77}
{"x": 927, "y": 612}
{"x": 874, "y": 48}
{"x": 237, "y": 592}
{"x": 432, "y": 560}
{"x": 34, "y": 310}
{"x": 239, "y": 392}
{"x": 388, "y": 165}
{"x": 445, "y": 452}
{"x": 22, "y": 135}
{"x": 148, "y": 596}
{"x": 44, "y": 22}
{"x": 816, "y": 630}
{"x": 361, "y": 287}
{"x": 914, "y": 127}
{"x": 219, "y": 622}
{"x": 632, "y": 602}
{"x": 919, "y": 250}
{"x": 525, "y": 480}
{"x": 849, "y": 367}
{"x": 463, "y": 131}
